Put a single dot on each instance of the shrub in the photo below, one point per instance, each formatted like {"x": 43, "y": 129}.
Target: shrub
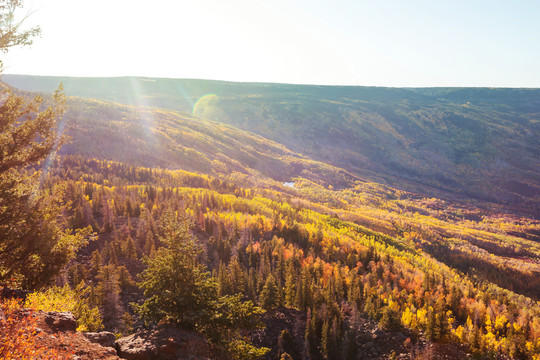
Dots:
{"x": 19, "y": 336}
{"x": 67, "y": 299}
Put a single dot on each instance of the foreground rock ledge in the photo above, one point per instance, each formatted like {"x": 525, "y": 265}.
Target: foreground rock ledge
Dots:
{"x": 103, "y": 338}
{"x": 166, "y": 342}
{"x": 57, "y": 330}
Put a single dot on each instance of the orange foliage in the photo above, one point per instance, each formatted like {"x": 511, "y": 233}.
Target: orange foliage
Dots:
{"x": 20, "y": 337}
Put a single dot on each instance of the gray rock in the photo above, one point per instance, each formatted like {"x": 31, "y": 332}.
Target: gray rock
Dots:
{"x": 136, "y": 347}
{"x": 164, "y": 343}
{"x": 60, "y": 321}
{"x": 104, "y": 338}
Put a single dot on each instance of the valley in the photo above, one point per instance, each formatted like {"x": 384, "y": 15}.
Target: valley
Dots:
{"x": 447, "y": 142}
{"x": 353, "y": 210}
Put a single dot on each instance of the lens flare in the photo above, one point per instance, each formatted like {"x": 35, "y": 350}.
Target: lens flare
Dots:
{"x": 206, "y": 106}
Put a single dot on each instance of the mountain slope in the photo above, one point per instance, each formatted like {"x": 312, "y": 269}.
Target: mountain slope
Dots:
{"x": 480, "y": 143}
{"x": 164, "y": 138}
{"x": 157, "y": 138}
{"x": 333, "y": 249}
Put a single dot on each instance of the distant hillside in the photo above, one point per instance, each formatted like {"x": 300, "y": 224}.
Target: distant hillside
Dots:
{"x": 164, "y": 138}
{"x": 475, "y": 142}
{"x": 338, "y": 261}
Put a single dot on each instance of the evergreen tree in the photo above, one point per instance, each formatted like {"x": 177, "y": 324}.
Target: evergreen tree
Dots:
{"x": 334, "y": 340}
{"x": 95, "y": 262}
{"x": 308, "y": 334}
{"x": 224, "y": 284}
{"x": 78, "y": 274}
{"x": 33, "y": 244}
{"x": 290, "y": 284}
{"x": 109, "y": 294}
{"x": 390, "y": 319}
{"x": 349, "y": 350}
{"x": 237, "y": 277}
{"x": 124, "y": 277}
{"x": 432, "y": 331}
{"x": 177, "y": 287}
{"x": 11, "y": 33}
{"x": 325, "y": 340}
{"x": 269, "y": 294}
{"x": 130, "y": 251}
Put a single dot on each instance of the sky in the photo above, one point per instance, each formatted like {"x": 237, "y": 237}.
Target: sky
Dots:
{"x": 395, "y": 43}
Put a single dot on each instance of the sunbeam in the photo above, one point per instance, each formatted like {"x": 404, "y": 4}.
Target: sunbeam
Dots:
{"x": 185, "y": 95}
{"x": 144, "y": 110}
{"x": 48, "y": 161}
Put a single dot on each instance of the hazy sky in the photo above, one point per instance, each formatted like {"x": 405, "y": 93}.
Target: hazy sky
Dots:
{"x": 376, "y": 42}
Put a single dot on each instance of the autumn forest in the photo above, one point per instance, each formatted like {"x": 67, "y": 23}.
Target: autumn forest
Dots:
{"x": 271, "y": 221}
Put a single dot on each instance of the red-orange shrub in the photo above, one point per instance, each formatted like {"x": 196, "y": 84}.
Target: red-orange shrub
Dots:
{"x": 20, "y": 337}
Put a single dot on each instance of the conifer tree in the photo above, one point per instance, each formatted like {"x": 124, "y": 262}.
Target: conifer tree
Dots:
{"x": 130, "y": 251}
{"x": 109, "y": 294}
{"x": 299, "y": 300}
{"x": 237, "y": 277}
{"x": 34, "y": 245}
{"x": 432, "y": 325}
{"x": 124, "y": 277}
{"x": 24, "y": 237}
{"x": 95, "y": 262}
{"x": 349, "y": 350}
{"x": 334, "y": 342}
{"x": 308, "y": 334}
{"x": 78, "y": 274}
{"x": 179, "y": 289}
{"x": 325, "y": 339}
{"x": 269, "y": 295}
{"x": 11, "y": 32}
{"x": 176, "y": 285}
{"x": 290, "y": 283}
{"x": 224, "y": 284}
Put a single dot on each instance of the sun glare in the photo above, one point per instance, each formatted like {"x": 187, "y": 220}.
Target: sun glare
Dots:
{"x": 206, "y": 107}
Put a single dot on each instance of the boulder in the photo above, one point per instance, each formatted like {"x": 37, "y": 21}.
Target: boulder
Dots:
{"x": 167, "y": 342}
{"x": 136, "y": 347}
{"x": 60, "y": 321}
{"x": 103, "y": 338}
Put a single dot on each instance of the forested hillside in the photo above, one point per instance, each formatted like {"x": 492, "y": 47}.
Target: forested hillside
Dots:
{"x": 417, "y": 266}
{"x": 155, "y": 218}
{"x": 445, "y": 142}
{"x": 267, "y": 252}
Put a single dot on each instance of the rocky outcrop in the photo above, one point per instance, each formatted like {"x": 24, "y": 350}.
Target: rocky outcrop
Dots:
{"x": 60, "y": 321}
{"x": 57, "y": 330}
{"x": 103, "y": 338}
{"x": 167, "y": 342}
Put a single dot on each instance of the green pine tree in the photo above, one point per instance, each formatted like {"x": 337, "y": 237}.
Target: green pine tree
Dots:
{"x": 269, "y": 294}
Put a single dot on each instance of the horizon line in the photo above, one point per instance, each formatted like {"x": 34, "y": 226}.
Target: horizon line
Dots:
{"x": 278, "y": 83}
